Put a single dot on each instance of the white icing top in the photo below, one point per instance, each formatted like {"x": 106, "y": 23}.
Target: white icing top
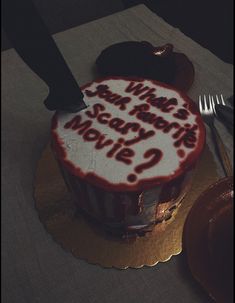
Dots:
{"x": 133, "y": 135}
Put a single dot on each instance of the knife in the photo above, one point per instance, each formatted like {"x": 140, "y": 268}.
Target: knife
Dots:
{"x": 32, "y": 41}
{"x": 226, "y": 115}
{"x": 230, "y": 101}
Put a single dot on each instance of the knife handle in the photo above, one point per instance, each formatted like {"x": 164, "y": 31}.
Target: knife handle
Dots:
{"x": 221, "y": 152}
{"x": 32, "y": 41}
{"x": 230, "y": 100}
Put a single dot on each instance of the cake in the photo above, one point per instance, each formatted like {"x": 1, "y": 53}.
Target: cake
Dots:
{"x": 129, "y": 156}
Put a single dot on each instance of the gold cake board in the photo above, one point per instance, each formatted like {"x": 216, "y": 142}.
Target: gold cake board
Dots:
{"x": 74, "y": 233}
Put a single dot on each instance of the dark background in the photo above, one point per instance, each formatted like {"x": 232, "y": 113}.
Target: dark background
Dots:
{"x": 208, "y": 22}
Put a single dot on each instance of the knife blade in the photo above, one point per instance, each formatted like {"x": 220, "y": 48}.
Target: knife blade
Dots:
{"x": 33, "y": 42}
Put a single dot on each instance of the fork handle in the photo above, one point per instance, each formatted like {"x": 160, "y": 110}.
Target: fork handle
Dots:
{"x": 221, "y": 152}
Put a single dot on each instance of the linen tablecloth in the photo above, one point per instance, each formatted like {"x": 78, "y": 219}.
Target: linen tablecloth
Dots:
{"x": 34, "y": 267}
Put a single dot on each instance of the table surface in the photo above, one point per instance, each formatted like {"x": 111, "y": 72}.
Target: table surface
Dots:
{"x": 34, "y": 267}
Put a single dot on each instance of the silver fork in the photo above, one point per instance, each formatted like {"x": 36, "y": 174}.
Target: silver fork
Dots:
{"x": 206, "y": 107}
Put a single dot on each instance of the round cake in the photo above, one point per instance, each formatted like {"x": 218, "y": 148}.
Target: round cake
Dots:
{"x": 128, "y": 157}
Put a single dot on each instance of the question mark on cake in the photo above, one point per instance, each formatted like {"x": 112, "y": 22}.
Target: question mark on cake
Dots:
{"x": 155, "y": 156}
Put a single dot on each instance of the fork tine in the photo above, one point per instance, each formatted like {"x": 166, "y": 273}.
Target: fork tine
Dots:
{"x": 212, "y": 103}
{"x": 217, "y": 99}
{"x": 222, "y": 98}
{"x": 200, "y": 103}
{"x": 205, "y": 102}
{"x": 212, "y": 99}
